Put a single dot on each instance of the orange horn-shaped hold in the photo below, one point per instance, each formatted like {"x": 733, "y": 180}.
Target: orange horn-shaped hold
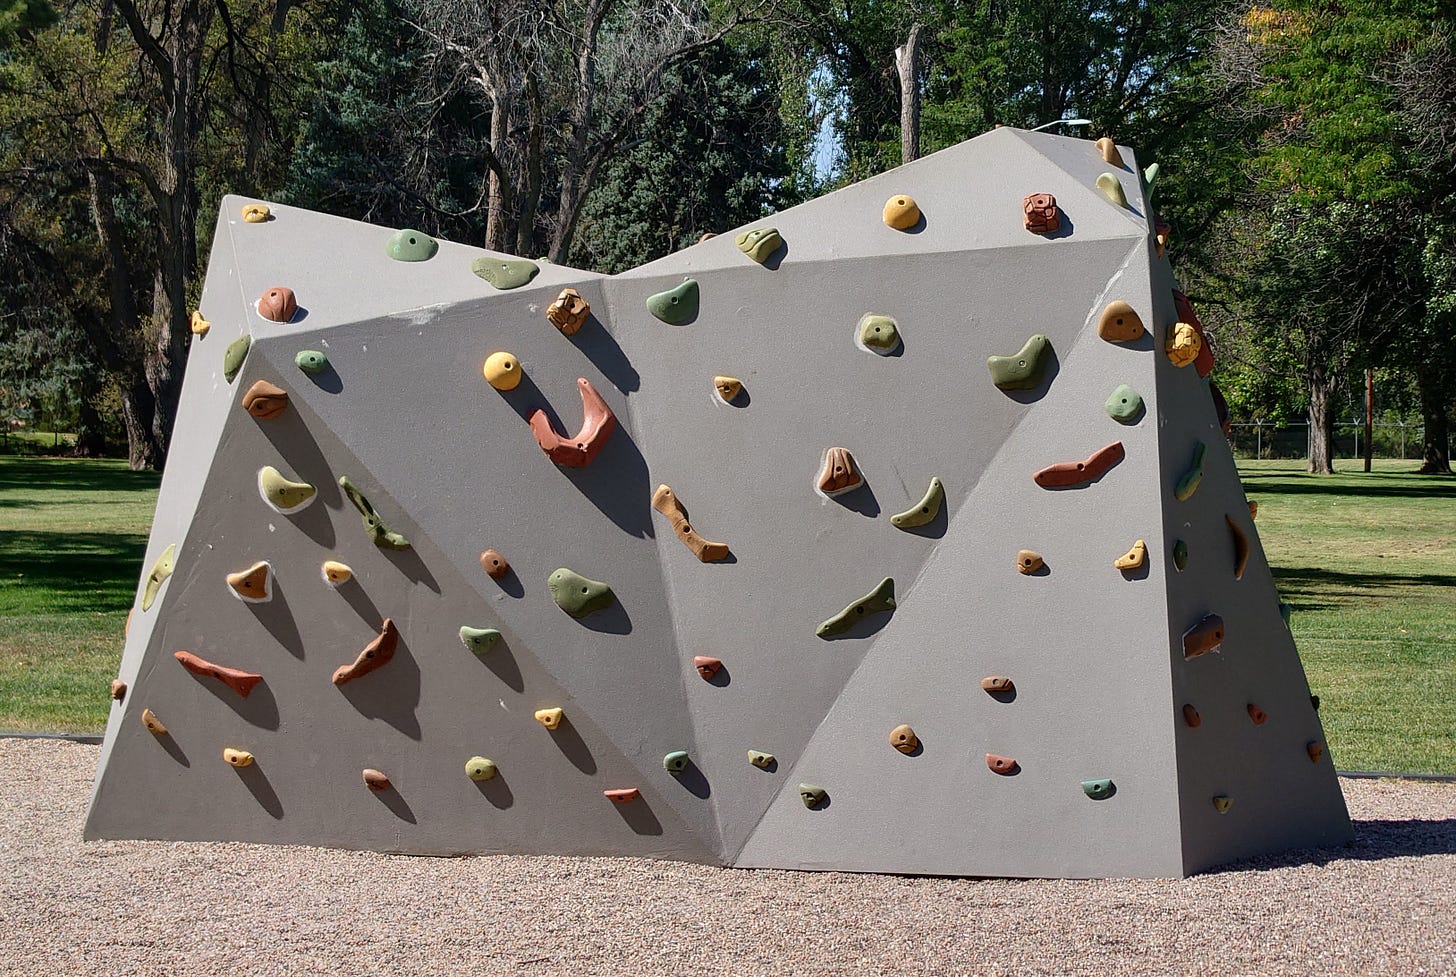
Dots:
{"x": 236, "y": 679}
{"x": 376, "y": 653}
{"x": 597, "y": 424}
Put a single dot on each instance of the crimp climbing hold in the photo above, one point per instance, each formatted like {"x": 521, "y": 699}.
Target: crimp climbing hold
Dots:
{"x": 311, "y": 361}
{"x": 1315, "y": 749}
{"x": 237, "y": 758}
{"x": 878, "y": 333}
{"x": 479, "y": 768}
{"x": 1222, "y": 803}
{"x": 504, "y": 273}
{"x": 550, "y": 718}
{"x": 1191, "y": 716}
{"x": 1203, "y": 361}
{"x": 1029, "y": 561}
{"x": 568, "y": 313}
{"x": 676, "y": 761}
{"x": 998, "y": 685}
{"x": 1119, "y": 323}
{"x": 375, "y": 780}
{"x": 760, "y": 759}
{"x": 199, "y": 325}
{"x": 1004, "y": 765}
{"x": 903, "y": 738}
{"x": 1188, "y": 482}
{"x": 152, "y": 723}
{"x": 1109, "y": 152}
{"x": 1258, "y": 716}
{"x": 923, "y": 511}
{"x": 479, "y": 640}
{"x": 1180, "y": 555}
{"x": 373, "y": 525}
{"x": 118, "y": 689}
{"x": 281, "y": 494}
{"x": 707, "y": 667}
{"x": 1021, "y": 370}
{"x": 278, "y": 304}
{"x": 812, "y": 795}
{"x": 839, "y": 474}
{"x": 264, "y": 400}
{"x": 1065, "y": 474}
{"x": 665, "y": 501}
{"x": 881, "y": 600}
{"x": 1133, "y": 559}
{"x": 336, "y": 573}
{"x": 677, "y": 305}
{"x": 236, "y": 679}
{"x": 578, "y": 595}
{"x": 1124, "y": 404}
{"x": 494, "y": 565}
{"x": 901, "y": 212}
{"x": 1183, "y": 344}
{"x": 1203, "y": 637}
{"x": 160, "y": 571}
{"x": 253, "y": 585}
{"x": 1099, "y": 790}
{"x": 233, "y": 356}
{"x": 728, "y": 388}
{"x": 1111, "y": 187}
{"x": 597, "y": 424}
{"x": 502, "y": 371}
{"x": 410, "y": 245}
{"x": 759, "y": 243}
{"x": 1241, "y": 547}
{"x": 1040, "y": 213}
{"x": 255, "y": 213}
{"x": 622, "y": 795}
{"x": 375, "y": 654}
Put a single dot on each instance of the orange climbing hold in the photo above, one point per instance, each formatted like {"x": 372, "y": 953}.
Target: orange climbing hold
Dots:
{"x": 1004, "y": 765}
{"x": 252, "y": 584}
{"x": 1066, "y": 474}
{"x": 1191, "y": 716}
{"x": 707, "y": 667}
{"x": 264, "y": 400}
{"x": 1203, "y": 637}
{"x": 665, "y": 501}
{"x": 840, "y": 474}
{"x": 622, "y": 795}
{"x": 278, "y": 304}
{"x": 1257, "y": 715}
{"x": 597, "y": 424}
{"x": 375, "y": 780}
{"x": 376, "y": 653}
{"x": 236, "y": 679}
{"x": 494, "y": 565}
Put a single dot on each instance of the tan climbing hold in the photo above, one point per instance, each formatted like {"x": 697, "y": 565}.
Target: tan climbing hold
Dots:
{"x": 1257, "y": 715}
{"x": 256, "y": 213}
{"x": 336, "y": 573}
{"x": 1133, "y": 559}
{"x": 502, "y": 371}
{"x": 1253, "y": 508}
{"x": 622, "y": 795}
{"x": 152, "y": 723}
{"x": 375, "y": 780}
{"x": 252, "y": 584}
{"x": 236, "y": 679}
{"x": 1119, "y": 323}
{"x": 1241, "y": 547}
{"x": 1191, "y": 716}
{"x": 1315, "y": 749}
{"x": 1029, "y": 561}
{"x": 707, "y": 667}
{"x": 550, "y": 718}
{"x": 1222, "y": 803}
{"x": 160, "y": 571}
{"x": 1203, "y": 637}
{"x": 728, "y": 387}
{"x": 1109, "y": 152}
{"x": 237, "y": 758}
{"x": 903, "y": 738}
{"x": 665, "y": 501}
{"x": 568, "y": 313}
{"x": 840, "y": 474}
{"x": 264, "y": 400}
{"x": 1183, "y": 344}
{"x": 997, "y": 684}
{"x": 376, "y": 653}
{"x": 199, "y": 325}
{"x": 901, "y": 212}
{"x": 278, "y": 304}
{"x": 118, "y": 689}
{"x": 494, "y": 565}
{"x": 760, "y": 759}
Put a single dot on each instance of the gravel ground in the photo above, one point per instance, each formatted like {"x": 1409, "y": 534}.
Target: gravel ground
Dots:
{"x": 1386, "y": 905}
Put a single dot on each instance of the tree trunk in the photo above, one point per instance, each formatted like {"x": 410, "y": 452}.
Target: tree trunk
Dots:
{"x": 1321, "y": 423}
{"x": 907, "y": 63}
{"x": 500, "y": 194}
{"x": 531, "y": 199}
{"x": 137, "y": 408}
{"x": 1435, "y": 413}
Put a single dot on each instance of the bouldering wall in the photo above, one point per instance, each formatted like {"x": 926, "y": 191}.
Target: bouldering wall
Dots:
{"x": 874, "y": 536}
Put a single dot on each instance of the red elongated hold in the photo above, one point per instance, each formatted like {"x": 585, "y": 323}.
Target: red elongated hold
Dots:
{"x": 375, "y": 653}
{"x": 264, "y": 400}
{"x": 1191, "y": 716}
{"x": 1257, "y": 715}
{"x": 1203, "y": 363}
{"x": 622, "y": 795}
{"x": 597, "y": 424}
{"x": 236, "y": 679}
{"x": 1004, "y": 765}
{"x": 1203, "y": 637}
{"x": 707, "y": 667}
{"x": 375, "y": 780}
{"x": 1069, "y": 473}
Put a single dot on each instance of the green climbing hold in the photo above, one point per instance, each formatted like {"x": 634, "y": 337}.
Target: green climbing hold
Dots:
{"x": 923, "y": 511}
{"x": 1098, "y": 790}
{"x": 410, "y": 245}
{"x": 1125, "y": 405}
{"x": 1188, "y": 483}
{"x": 283, "y": 495}
{"x": 759, "y": 243}
{"x": 1180, "y": 555}
{"x": 578, "y": 595}
{"x": 161, "y": 570}
{"x": 812, "y": 795}
{"x": 311, "y": 361}
{"x": 877, "y": 333}
{"x": 1022, "y": 370}
{"x": 504, "y": 273}
{"x": 878, "y": 601}
{"x": 378, "y": 531}
{"x": 478, "y": 768}
{"x": 760, "y": 759}
{"x": 676, "y": 306}
{"x": 233, "y": 356}
{"x": 479, "y": 640}
{"x": 1150, "y": 177}
{"x": 676, "y": 761}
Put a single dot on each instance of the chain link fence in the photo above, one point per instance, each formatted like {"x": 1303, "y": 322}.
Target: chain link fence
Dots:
{"x": 1256, "y": 439}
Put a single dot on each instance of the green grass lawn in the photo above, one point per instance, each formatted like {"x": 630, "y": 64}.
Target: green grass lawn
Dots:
{"x": 1368, "y": 561}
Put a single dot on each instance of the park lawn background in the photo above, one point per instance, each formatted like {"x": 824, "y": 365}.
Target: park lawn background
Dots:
{"x": 1367, "y": 561}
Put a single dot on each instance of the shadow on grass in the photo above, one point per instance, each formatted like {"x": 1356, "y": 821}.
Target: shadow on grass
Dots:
{"x": 71, "y": 475}
{"x": 1310, "y": 588}
{"x": 1374, "y": 841}
{"x": 1364, "y": 486}
{"x": 74, "y": 571}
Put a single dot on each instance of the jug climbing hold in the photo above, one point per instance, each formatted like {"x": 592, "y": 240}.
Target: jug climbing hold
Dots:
{"x": 878, "y": 334}
{"x": 237, "y": 758}
{"x": 1191, "y": 716}
{"x": 1315, "y": 749}
{"x": 283, "y": 495}
{"x": 1004, "y": 765}
{"x": 1241, "y": 547}
{"x": 1189, "y": 481}
{"x": 375, "y": 654}
{"x": 1180, "y": 555}
{"x": 1119, "y": 323}
{"x": 1124, "y": 404}
{"x": 1109, "y": 152}
{"x": 376, "y": 781}
{"x": 1111, "y": 187}
{"x": 1023, "y": 369}
{"x": 550, "y": 718}
{"x": 1133, "y": 559}
{"x": 161, "y": 570}
{"x": 578, "y": 595}
{"x": 923, "y": 511}
{"x": 336, "y": 573}
{"x": 901, "y": 212}
{"x": 236, "y": 679}
{"x": 839, "y": 475}
{"x": 812, "y": 795}
{"x": 1222, "y": 803}
{"x": 278, "y": 304}
{"x": 199, "y": 325}
{"x": 264, "y": 400}
{"x": 707, "y": 667}
{"x": 1203, "y": 361}
{"x": 1065, "y": 474}
{"x": 1040, "y": 213}
{"x": 233, "y": 356}
{"x": 502, "y": 371}
{"x": 253, "y": 585}
{"x": 152, "y": 723}
{"x": 881, "y": 600}
{"x": 760, "y": 759}
{"x": 568, "y": 312}
{"x": 1183, "y": 344}
{"x": 622, "y": 795}
{"x": 118, "y": 689}
{"x": 665, "y": 501}
{"x": 1099, "y": 790}
{"x": 998, "y": 685}
{"x": 1150, "y": 177}
{"x": 1203, "y": 637}
{"x": 597, "y": 424}
{"x": 759, "y": 243}
{"x": 256, "y": 213}
{"x": 311, "y": 361}
{"x": 410, "y": 245}
{"x": 1257, "y": 715}
{"x": 727, "y": 388}
{"x": 903, "y": 738}
{"x": 677, "y": 305}
{"x": 479, "y": 640}
{"x": 495, "y": 566}
{"x": 1029, "y": 561}
{"x": 381, "y": 534}
{"x": 504, "y": 273}
{"x": 676, "y": 761}
{"x": 480, "y": 769}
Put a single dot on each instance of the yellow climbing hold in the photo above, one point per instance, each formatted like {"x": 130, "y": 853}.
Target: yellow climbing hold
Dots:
{"x": 336, "y": 573}
{"x": 502, "y": 371}
{"x": 256, "y": 213}
{"x": 161, "y": 570}
{"x": 1183, "y": 344}
{"x": 550, "y": 718}
{"x": 238, "y": 758}
{"x": 901, "y": 212}
{"x": 1133, "y": 559}
{"x": 199, "y": 324}
{"x": 152, "y": 723}
{"x": 728, "y": 387}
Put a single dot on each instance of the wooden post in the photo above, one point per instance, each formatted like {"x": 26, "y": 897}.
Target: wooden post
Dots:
{"x": 1369, "y": 417}
{"x": 907, "y": 63}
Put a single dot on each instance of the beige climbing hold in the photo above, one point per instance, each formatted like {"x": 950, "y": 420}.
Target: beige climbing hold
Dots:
{"x": 568, "y": 313}
{"x": 1133, "y": 559}
{"x": 1183, "y": 344}
{"x": 550, "y": 718}
{"x": 118, "y": 689}
{"x": 1119, "y": 323}
{"x": 1029, "y": 561}
{"x": 901, "y": 212}
{"x": 152, "y": 723}
{"x": 1109, "y": 152}
{"x": 998, "y": 685}
{"x": 903, "y": 738}
{"x": 760, "y": 759}
{"x": 502, "y": 371}
{"x": 1111, "y": 186}
{"x": 665, "y": 501}
{"x": 336, "y": 573}
{"x": 253, "y": 584}
{"x": 160, "y": 571}
{"x": 375, "y": 780}
{"x": 237, "y": 758}
{"x": 728, "y": 388}
{"x": 199, "y": 325}
{"x": 256, "y": 213}
{"x": 1253, "y": 509}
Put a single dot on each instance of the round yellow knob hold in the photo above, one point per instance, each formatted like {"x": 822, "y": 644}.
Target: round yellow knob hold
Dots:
{"x": 502, "y": 371}
{"x": 901, "y": 212}
{"x": 256, "y": 213}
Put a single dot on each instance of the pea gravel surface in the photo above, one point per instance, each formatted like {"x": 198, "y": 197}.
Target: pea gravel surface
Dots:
{"x": 1385, "y": 905}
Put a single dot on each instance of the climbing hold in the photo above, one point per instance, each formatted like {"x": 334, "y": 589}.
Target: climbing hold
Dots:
{"x": 118, "y": 689}
{"x": 1098, "y": 790}
{"x": 233, "y": 356}
{"x": 1284, "y": 611}
{"x": 1150, "y": 177}
{"x": 812, "y": 795}
{"x": 199, "y": 325}
{"x": 1004, "y": 765}
{"x": 1133, "y": 559}
{"x": 236, "y": 679}
{"x": 479, "y": 640}
{"x": 923, "y": 511}
{"x": 878, "y": 334}
{"x": 238, "y": 758}
{"x": 264, "y": 400}
{"x": 1191, "y": 716}
{"x": 1124, "y": 404}
{"x": 760, "y": 760}
{"x": 284, "y": 496}
{"x": 550, "y": 718}
{"x": 1029, "y": 561}
{"x": 676, "y": 761}
{"x": 728, "y": 388}
{"x": 878, "y": 601}
{"x": 253, "y": 584}
{"x": 1180, "y": 555}
{"x": 1183, "y": 344}
{"x": 255, "y": 213}
{"x": 707, "y": 667}
{"x": 376, "y": 653}
{"x": 901, "y": 212}
{"x": 1065, "y": 474}
{"x": 376, "y": 781}
{"x": 568, "y": 313}
{"x": 1021, "y": 370}
{"x": 903, "y": 738}
{"x": 1203, "y": 360}
{"x": 1315, "y": 749}
{"x": 1109, "y": 152}
{"x": 677, "y": 305}
{"x": 1041, "y": 214}
{"x": 152, "y": 723}
{"x": 578, "y": 595}
{"x": 998, "y": 685}
{"x": 479, "y": 769}
{"x": 1220, "y": 407}
{"x": 597, "y": 424}
{"x": 278, "y": 304}
{"x": 621, "y": 795}
{"x": 1253, "y": 509}
{"x": 839, "y": 474}
{"x": 1314, "y": 702}
{"x": 665, "y": 501}
{"x": 373, "y": 525}
{"x": 502, "y": 371}
{"x": 311, "y": 361}
{"x": 409, "y": 245}
{"x": 1256, "y": 714}
{"x": 1189, "y": 480}
{"x": 494, "y": 565}
{"x": 1241, "y": 547}
{"x": 1203, "y": 637}
{"x": 1222, "y": 803}
{"x": 1119, "y": 323}
{"x": 1111, "y": 186}
{"x": 504, "y": 273}
{"x": 160, "y": 571}
{"x": 336, "y": 573}
{"x": 1163, "y": 232}
{"x": 759, "y": 243}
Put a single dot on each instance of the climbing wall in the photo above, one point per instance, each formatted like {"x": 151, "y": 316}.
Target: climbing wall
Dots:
{"x": 874, "y": 536}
